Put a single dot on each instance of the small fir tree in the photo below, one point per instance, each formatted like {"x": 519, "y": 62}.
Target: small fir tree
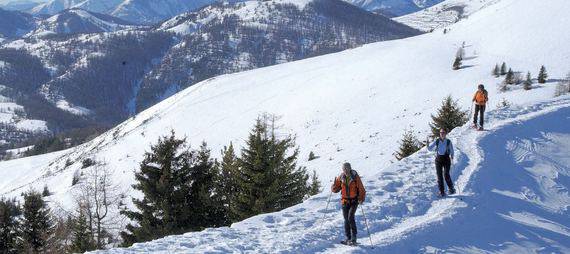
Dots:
{"x": 510, "y": 77}
{"x": 408, "y": 145}
{"x": 449, "y": 116}
{"x": 9, "y": 226}
{"x": 503, "y": 69}
{"x": 315, "y": 187}
{"x": 496, "y": 71}
{"x": 37, "y": 224}
{"x": 542, "y": 75}
{"x": 269, "y": 179}
{"x": 528, "y": 82}
{"x": 82, "y": 237}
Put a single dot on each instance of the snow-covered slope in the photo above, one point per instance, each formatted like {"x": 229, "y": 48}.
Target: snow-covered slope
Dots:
{"x": 443, "y": 14}
{"x": 350, "y": 106}
{"x": 76, "y": 21}
{"x": 513, "y": 198}
{"x": 393, "y": 7}
{"x": 138, "y": 11}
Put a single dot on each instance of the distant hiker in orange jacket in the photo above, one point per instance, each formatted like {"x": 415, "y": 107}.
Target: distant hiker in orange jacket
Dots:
{"x": 353, "y": 194}
{"x": 480, "y": 98}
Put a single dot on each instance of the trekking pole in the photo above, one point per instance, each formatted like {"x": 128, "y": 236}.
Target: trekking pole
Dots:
{"x": 471, "y": 110}
{"x": 367, "y": 229}
{"x": 327, "y": 208}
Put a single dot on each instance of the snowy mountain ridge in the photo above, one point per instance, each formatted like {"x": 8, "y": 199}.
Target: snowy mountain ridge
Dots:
{"x": 78, "y": 21}
{"x": 137, "y": 11}
{"x": 443, "y": 14}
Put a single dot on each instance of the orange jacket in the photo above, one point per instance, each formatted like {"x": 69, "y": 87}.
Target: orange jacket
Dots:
{"x": 480, "y": 97}
{"x": 350, "y": 186}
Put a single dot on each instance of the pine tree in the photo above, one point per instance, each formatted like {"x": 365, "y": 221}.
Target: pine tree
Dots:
{"x": 528, "y": 82}
{"x": 207, "y": 208}
{"x": 510, "y": 78}
{"x": 227, "y": 185}
{"x": 496, "y": 71}
{"x": 457, "y": 63}
{"x": 542, "y": 75}
{"x": 503, "y": 69}
{"x": 268, "y": 179}
{"x": 9, "y": 226}
{"x": 164, "y": 179}
{"x": 37, "y": 224}
{"x": 82, "y": 237}
{"x": 315, "y": 187}
{"x": 408, "y": 145}
{"x": 448, "y": 117}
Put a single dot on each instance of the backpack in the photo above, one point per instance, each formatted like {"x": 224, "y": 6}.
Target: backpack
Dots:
{"x": 446, "y": 147}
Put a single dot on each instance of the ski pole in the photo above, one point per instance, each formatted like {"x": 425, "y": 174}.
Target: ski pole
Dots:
{"x": 471, "y": 110}
{"x": 367, "y": 229}
{"x": 327, "y": 208}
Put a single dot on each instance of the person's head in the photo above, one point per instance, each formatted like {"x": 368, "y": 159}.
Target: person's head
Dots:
{"x": 442, "y": 133}
{"x": 481, "y": 87}
{"x": 346, "y": 168}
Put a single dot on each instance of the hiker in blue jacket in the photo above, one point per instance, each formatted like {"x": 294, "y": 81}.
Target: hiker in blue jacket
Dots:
{"x": 443, "y": 158}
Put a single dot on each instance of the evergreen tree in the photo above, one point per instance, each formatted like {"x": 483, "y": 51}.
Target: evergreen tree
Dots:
{"x": 510, "y": 78}
{"x": 268, "y": 179}
{"x": 164, "y": 179}
{"x": 448, "y": 117}
{"x": 528, "y": 82}
{"x": 37, "y": 224}
{"x": 542, "y": 75}
{"x": 496, "y": 71}
{"x": 457, "y": 63}
{"x": 503, "y": 69}
{"x": 82, "y": 237}
{"x": 315, "y": 187}
{"x": 207, "y": 208}
{"x": 9, "y": 226}
{"x": 227, "y": 186}
{"x": 408, "y": 145}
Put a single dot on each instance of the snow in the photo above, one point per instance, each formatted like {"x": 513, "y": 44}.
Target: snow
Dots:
{"x": 74, "y": 109}
{"x": 443, "y": 14}
{"x": 32, "y": 125}
{"x": 404, "y": 214}
{"x": 354, "y": 106}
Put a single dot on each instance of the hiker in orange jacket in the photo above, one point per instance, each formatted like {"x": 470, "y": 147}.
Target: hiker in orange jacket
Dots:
{"x": 353, "y": 194}
{"x": 480, "y": 98}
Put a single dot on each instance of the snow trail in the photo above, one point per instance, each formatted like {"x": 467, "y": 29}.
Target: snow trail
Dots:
{"x": 403, "y": 211}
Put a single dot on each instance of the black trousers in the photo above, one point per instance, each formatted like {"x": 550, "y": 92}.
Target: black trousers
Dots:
{"x": 442, "y": 166}
{"x": 348, "y": 211}
{"x": 479, "y": 110}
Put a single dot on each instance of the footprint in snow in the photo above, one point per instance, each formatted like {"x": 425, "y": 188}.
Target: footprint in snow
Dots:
{"x": 393, "y": 186}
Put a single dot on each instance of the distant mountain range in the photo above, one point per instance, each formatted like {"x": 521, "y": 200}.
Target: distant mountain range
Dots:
{"x": 78, "y": 67}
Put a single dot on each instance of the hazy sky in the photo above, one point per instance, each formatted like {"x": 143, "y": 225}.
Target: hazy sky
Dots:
{"x": 7, "y": 1}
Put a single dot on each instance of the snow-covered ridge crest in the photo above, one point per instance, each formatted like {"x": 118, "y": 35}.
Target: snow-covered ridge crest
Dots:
{"x": 247, "y": 11}
{"x": 74, "y": 21}
{"x": 444, "y": 14}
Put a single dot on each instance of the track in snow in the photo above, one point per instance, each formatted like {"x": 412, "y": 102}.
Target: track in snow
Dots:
{"x": 491, "y": 212}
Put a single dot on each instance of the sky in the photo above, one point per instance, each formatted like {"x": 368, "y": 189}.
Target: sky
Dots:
{"x": 8, "y": 1}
